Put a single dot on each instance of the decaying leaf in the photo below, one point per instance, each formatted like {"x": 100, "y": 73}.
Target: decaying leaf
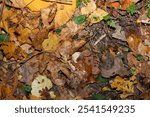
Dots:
{"x": 89, "y": 49}
{"x": 64, "y": 13}
{"x": 48, "y": 15}
{"x": 97, "y": 16}
{"x": 124, "y": 85}
{"x": 12, "y": 51}
{"x": 36, "y": 5}
{"x": 88, "y": 8}
{"x": 51, "y": 43}
{"x": 123, "y": 4}
{"x": 137, "y": 45}
{"x": 39, "y": 83}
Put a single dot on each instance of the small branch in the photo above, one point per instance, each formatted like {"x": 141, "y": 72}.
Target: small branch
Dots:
{"x": 59, "y": 2}
{"x": 100, "y": 38}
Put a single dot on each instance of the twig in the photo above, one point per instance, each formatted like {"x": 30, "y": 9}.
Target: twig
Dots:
{"x": 100, "y": 38}
{"x": 59, "y": 2}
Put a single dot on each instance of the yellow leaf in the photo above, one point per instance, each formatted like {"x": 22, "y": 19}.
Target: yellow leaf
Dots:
{"x": 105, "y": 89}
{"x": 97, "y": 16}
{"x": 39, "y": 83}
{"x": 11, "y": 50}
{"x": 64, "y": 13}
{"x": 124, "y": 85}
{"x": 51, "y": 43}
{"x": 36, "y": 5}
{"x": 133, "y": 42}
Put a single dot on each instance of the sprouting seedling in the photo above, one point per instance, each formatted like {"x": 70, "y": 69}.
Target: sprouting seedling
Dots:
{"x": 132, "y": 9}
{"x": 109, "y": 22}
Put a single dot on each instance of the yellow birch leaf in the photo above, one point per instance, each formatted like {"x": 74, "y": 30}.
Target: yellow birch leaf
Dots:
{"x": 64, "y": 13}
{"x": 36, "y": 5}
{"x": 51, "y": 43}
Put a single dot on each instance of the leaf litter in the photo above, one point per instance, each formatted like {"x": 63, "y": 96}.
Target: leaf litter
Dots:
{"x": 76, "y": 49}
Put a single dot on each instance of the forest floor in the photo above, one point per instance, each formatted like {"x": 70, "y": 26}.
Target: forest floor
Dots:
{"x": 74, "y": 49}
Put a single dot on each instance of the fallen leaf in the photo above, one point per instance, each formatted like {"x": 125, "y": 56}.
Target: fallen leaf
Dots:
{"x": 18, "y": 3}
{"x": 64, "y": 13}
{"x": 119, "y": 33}
{"x": 97, "y": 15}
{"x": 124, "y": 85}
{"x": 48, "y": 15}
{"x": 51, "y": 43}
{"x": 123, "y": 4}
{"x": 36, "y": 5}
{"x": 12, "y": 51}
{"x": 39, "y": 83}
{"x": 112, "y": 66}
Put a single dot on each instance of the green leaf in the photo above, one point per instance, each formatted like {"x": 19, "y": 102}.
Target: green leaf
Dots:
{"x": 78, "y": 2}
{"x": 64, "y": 26}
{"x": 111, "y": 23}
{"x": 58, "y": 31}
{"x": 26, "y": 89}
{"x": 4, "y": 38}
{"x": 8, "y": 1}
{"x": 107, "y": 17}
{"x": 139, "y": 57}
{"x": 99, "y": 97}
{"x": 148, "y": 13}
{"x": 95, "y": 18}
{"x": 8, "y": 7}
{"x": 121, "y": 56}
{"x": 80, "y": 19}
{"x": 133, "y": 70}
{"x": 86, "y": 1}
{"x": 102, "y": 79}
{"x": 131, "y": 9}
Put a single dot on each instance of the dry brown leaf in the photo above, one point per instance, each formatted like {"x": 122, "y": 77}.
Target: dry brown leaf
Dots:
{"x": 88, "y": 8}
{"x": 48, "y": 15}
{"x": 123, "y": 4}
{"x": 11, "y": 50}
{"x": 18, "y": 3}
{"x": 137, "y": 45}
